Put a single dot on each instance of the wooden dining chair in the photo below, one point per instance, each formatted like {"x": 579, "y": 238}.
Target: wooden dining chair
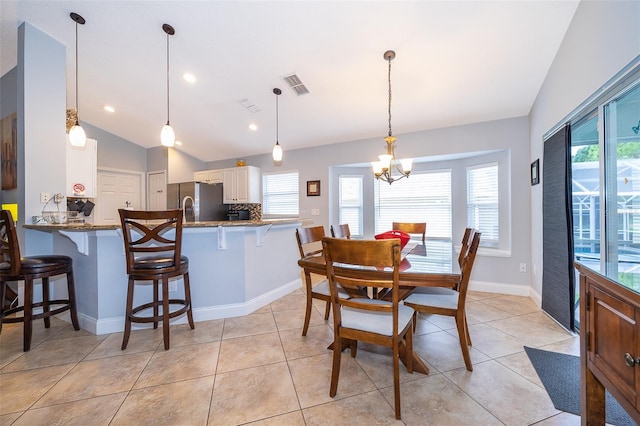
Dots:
{"x": 341, "y": 231}
{"x": 464, "y": 246}
{"x": 13, "y": 267}
{"x": 450, "y": 302}
{"x": 380, "y": 322}
{"x": 153, "y": 252}
{"x": 411, "y": 228}
{"x": 310, "y": 244}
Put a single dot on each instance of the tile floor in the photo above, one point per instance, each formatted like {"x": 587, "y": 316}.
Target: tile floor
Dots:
{"x": 259, "y": 370}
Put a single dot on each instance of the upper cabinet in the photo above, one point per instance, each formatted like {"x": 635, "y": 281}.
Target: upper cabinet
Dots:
{"x": 208, "y": 176}
{"x": 241, "y": 185}
{"x": 82, "y": 169}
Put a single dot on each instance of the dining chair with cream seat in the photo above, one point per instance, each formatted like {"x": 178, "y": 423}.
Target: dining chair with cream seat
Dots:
{"x": 13, "y": 267}
{"x": 464, "y": 246}
{"x": 380, "y": 322}
{"x": 341, "y": 231}
{"x": 153, "y": 252}
{"x": 419, "y": 228}
{"x": 310, "y": 244}
{"x": 448, "y": 301}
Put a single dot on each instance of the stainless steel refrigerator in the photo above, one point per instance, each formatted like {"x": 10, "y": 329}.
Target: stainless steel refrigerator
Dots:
{"x": 200, "y": 201}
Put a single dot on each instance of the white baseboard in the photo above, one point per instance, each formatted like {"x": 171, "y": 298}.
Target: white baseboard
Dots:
{"x": 116, "y": 324}
{"x": 501, "y": 288}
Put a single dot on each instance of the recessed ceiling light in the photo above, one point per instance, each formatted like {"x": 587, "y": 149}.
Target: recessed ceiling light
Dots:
{"x": 190, "y": 78}
{"x": 109, "y": 108}
{"x": 253, "y": 127}
{"x": 179, "y": 143}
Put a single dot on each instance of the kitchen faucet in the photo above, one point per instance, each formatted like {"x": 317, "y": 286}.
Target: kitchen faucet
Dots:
{"x": 184, "y": 207}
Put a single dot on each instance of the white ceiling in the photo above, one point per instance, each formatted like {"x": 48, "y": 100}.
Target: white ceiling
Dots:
{"x": 457, "y": 62}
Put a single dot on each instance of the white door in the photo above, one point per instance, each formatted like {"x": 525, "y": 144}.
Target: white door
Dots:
{"x": 157, "y": 191}
{"x": 117, "y": 190}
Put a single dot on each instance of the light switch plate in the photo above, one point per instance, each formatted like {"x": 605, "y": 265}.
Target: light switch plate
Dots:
{"x": 315, "y": 212}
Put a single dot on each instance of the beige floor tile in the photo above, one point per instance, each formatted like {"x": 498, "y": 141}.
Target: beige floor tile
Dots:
{"x": 377, "y": 362}
{"x": 312, "y": 378}
{"x": 521, "y": 364}
{"x": 480, "y": 311}
{"x": 294, "y": 318}
{"x": 20, "y": 390}
{"x": 512, "y": 399}
{"x": 55, "y": 351}
{"x": 441, "y": 350}
{"x": 570, "y": 346}
{"x": 264, "y": 310}
{"x": 293, "y": 300}
{"x": 139, "y": 341}
{"x": 248, "y": 326}
{"x": 479, "y": 295}
{"x": 425, "y": 326}
{"x": 294, "y": 418}
{"x": 204, "y": 331}
{"x": 316, "y": 341}
{"x": 93, "y": 411}
{"x": 8, "y": 419}
{"x": 435, "y": 400}
{"x": 562, "y": 419}
{"x": 180, "y": 363}
{"x": 250, "y": 351}
{"x": 515, "y": 305}
{"x": 252, "y": 394}
{"x": 180, "y": 403}
{"x": 361, "y": 410}
{"x": 540, "y": 329}
{"x": 88, "y": 378}
{"x": 493, "y": 342}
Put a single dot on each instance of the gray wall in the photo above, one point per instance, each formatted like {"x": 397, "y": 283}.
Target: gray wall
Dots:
{"x": 115, "y": 152}
{"x": 602, "y": 38}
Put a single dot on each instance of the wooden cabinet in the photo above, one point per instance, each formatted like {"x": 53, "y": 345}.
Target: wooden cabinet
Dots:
{"x": 609, "y": 345}
{"x": 241, "y": 185}
{"x": 208, "y": 176}
{"x": 82, "y": 169}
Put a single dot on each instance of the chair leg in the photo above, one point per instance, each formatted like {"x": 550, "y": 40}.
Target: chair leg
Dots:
{"x": 335, "y": 369}
{"x": 396, "y": 378}
{"x": 466, "y": 327}
{"x": 28, "y": 307}
{"x": 462, "y": 334}
{"x": 327, "y": 310}
{"x": 165, "y": 311}
{"x": 187, "y": 298}
{"x": 45, "y": 302}
{"x": 127, "y": 314}
{"x": 415, "y": 320}
{"x": 3, "y": 294}
{"x": 353, "y": 347}
{"x": 408, "y": 339}
{"x": 73, "y": 308}
{"x": 156, "y": 288}
{"x": 307, "y": 314}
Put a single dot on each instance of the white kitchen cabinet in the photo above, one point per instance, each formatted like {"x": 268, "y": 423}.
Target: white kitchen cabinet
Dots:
{"x": 82, "y": 169}
{"x": 241, "y": 185}
{"x": 208, "y": 176}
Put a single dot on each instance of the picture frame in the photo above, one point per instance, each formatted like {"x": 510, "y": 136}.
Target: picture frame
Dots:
{"x": 535, "y": 172}
{"x": 313, "y": 188}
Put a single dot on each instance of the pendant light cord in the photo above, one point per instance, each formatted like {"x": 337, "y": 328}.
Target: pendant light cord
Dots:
{"x": 389, "y": 79}
{"x": 167, "y": 78}
{"x": 277, "y": 120}
{"x": 77, "y": 106}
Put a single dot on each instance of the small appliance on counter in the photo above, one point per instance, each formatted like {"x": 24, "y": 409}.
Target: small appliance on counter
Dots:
{"x": 238, "y": 215}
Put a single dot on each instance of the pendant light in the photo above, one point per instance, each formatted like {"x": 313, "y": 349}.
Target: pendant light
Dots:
{"x": 277, "y": 149}
{"x": 167, "y": 136}
{"x": 382, "y": 169}
{"x": 77, "y": 136}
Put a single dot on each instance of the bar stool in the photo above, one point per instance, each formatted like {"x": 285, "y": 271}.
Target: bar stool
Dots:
{"x": 153, "y": 245}
{"x": 27, "y": 269}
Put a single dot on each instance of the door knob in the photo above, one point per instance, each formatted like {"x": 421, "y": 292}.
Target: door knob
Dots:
{"x": 630, "y": 360}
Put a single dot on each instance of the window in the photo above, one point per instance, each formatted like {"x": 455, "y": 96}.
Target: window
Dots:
{"x": 350, "y": 203}
{"x": 280, "y": 194}
{"x": 423, "y": 197}
{"x": 482, "y": 202}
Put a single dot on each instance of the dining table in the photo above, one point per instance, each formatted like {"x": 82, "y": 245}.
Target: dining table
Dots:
{"x": 432, "y": 264}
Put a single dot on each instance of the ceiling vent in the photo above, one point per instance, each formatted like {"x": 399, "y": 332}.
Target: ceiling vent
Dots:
{"x": 295, "y": 84}
{"x": 248, "y": 104}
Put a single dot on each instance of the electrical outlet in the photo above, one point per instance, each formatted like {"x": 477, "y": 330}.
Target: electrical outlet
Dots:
{"x": 57, "y": 198}
{"x": 315, "y": 212}
{"x": 523, "y": 267}
{"x": 45, "y": 197}
{"x": 173, "y": 286}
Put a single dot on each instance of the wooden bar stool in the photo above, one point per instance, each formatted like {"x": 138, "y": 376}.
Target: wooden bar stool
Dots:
{"x": 153, "y": 246}
{"x": 27, "y": 269}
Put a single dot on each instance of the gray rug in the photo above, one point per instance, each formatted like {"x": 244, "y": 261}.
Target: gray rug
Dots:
{"x": 560, "y": 375}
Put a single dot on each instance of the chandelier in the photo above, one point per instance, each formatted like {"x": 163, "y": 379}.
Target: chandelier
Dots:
{"x": 383, "y": 168}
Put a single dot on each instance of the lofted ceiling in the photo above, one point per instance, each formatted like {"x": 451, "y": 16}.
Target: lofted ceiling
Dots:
{"x": 457, "y": 62}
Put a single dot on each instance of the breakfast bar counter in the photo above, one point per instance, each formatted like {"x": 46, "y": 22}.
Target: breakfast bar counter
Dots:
{"x": 235, "y": 267}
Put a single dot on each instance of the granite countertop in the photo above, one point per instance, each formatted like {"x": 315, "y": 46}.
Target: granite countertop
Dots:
{"x": 204, "y": 224}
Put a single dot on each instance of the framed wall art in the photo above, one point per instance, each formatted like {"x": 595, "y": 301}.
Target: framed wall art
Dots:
{"x": 313, "y": 188}
{"x": 9, "y": 146}
{"x": 535, "y": 172}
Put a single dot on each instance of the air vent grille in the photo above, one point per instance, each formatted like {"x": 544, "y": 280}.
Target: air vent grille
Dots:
{"x": 295, "y": 84}
{"x": 248, "y": 104}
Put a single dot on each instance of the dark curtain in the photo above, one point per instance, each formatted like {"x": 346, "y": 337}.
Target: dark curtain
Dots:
{"x": 558, "y": 280}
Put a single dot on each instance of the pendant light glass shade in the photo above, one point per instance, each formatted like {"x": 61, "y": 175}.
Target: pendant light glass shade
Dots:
{"x": 77, "y": 136}
{"x": 167, "y": 135}
{"x": 277, "y": 152}
{"x": 277, "y": 149}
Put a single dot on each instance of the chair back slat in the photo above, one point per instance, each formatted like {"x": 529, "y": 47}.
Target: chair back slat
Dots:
{"x": 411, "y": 228}
{"x": 467, "y": 268}
{"x": 464, "y": 248}
{"x": 341, "y": 231}
{"x": 152, "y": 232}
{"x": 310, "y": 240}
{"x": 9, "y": 246}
